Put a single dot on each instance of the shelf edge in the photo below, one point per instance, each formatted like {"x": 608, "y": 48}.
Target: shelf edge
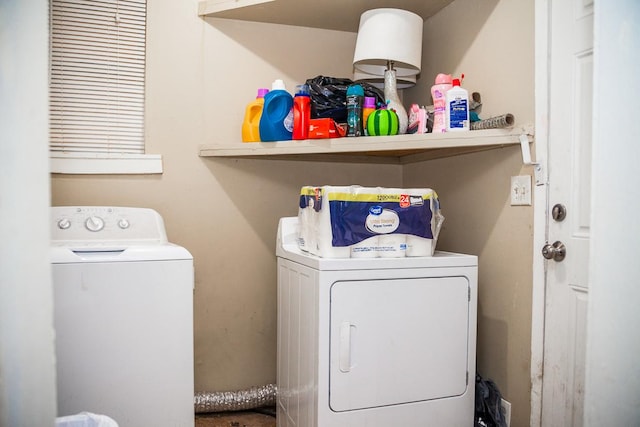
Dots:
{"x": 392, "y": 145}
{"x": 211, "y": 7}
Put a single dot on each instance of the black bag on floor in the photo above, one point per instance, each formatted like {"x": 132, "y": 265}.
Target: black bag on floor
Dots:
{"x": 329, "y": 97}
{"x": 488, "y": 404}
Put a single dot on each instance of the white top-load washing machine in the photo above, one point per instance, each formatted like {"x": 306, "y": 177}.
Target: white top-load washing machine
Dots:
{"x": 374, "y": 342}
{"x": 123, "y": 316}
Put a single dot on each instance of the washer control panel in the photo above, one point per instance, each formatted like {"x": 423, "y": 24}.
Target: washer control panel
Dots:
{"x": 93, "y": 224}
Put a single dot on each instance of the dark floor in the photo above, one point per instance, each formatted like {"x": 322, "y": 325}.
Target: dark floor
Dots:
{"x": 260, "y": 418}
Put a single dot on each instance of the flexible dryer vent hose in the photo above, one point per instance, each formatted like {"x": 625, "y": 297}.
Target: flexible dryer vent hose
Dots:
{"x": 498, "y": 122}
{"x": 223, "y": 401}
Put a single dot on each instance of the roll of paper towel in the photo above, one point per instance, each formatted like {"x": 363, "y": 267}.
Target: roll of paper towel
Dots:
{"x": 390, "y": 243}
{"x": 305, "y": 219}
{"x": 324, "y": 232}
{"x": 419, "y": 246}
{"x": 367, "y": 248}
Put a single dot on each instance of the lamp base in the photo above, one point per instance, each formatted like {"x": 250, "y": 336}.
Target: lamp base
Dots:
{"x": 393, "y": 100}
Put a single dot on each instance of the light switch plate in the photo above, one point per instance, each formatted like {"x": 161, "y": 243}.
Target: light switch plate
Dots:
{"x": 521, "y": 190}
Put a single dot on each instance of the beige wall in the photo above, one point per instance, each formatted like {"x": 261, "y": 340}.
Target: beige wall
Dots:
{"x": 493, "y": 46}
{"x": 202, "y": 73}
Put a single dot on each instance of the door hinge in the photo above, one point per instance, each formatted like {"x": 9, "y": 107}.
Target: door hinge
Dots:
{"x": 467, "y": 380}
{"x": 469, "y": 294}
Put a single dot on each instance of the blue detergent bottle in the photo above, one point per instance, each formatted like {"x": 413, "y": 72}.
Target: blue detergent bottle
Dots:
{"x": 276, "y": 123}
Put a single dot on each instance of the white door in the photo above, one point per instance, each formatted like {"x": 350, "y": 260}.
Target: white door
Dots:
{"x": 569, "y": 162}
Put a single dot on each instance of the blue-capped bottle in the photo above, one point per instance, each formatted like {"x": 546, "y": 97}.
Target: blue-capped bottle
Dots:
{"x": 301, "y": 112}
{"x": 355, "y": 98}
{"x": 276, "y": 122}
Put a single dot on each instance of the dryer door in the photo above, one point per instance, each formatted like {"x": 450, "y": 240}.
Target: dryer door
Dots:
{"x": 398, "y": 341}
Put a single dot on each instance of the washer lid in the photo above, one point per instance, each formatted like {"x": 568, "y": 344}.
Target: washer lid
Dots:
{"x": 109, "y": 253}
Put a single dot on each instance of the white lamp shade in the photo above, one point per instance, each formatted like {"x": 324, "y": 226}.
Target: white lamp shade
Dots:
{"x": 404, "y": 82}
{"x": 389, "y": 35}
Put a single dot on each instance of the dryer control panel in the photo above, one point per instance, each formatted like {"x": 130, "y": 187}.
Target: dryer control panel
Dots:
{"x": 90, "y": 225}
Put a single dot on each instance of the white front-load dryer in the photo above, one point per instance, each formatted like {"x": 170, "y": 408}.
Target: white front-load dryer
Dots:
{"x": 123, "y": 317}
{"x": 375, "y": 342}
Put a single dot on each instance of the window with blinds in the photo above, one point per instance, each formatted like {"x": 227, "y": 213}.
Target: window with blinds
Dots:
{"x": 97, "y": 79}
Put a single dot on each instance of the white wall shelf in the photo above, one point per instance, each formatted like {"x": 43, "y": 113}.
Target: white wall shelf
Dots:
{"x": 345, "y": 16}
{"x": 398, "y": 149}
{"x": 327, "y": 14}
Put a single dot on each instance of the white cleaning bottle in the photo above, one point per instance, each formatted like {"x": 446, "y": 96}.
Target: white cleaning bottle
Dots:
{"x": 457, "y": 108}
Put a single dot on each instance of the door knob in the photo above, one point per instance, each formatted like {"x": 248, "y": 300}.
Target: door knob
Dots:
{"x": 556, "y": 252}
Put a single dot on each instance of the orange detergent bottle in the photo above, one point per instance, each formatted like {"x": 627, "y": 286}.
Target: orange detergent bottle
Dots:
{"x": 251, "y": 123}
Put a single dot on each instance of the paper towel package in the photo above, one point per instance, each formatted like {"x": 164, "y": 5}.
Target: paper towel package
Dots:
{"x": 368, "y": 222}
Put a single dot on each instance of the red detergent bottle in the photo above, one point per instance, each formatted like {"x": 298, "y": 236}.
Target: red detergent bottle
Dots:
{"x": 301, "y": 112}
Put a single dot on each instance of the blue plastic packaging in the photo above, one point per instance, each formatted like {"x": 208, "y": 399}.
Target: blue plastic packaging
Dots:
{"x": 276, "y": 123}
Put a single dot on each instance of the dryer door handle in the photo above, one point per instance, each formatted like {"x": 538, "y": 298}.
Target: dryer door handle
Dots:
{"x": 346, "y": 329}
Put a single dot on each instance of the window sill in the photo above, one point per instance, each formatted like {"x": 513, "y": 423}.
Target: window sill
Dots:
{"x": 106, "y": 164}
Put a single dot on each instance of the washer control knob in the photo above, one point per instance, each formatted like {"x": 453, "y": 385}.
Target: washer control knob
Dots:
{"x": 64, "y": 223}
{"x": 123, "y": 223}
{"x": 94, "y": 223}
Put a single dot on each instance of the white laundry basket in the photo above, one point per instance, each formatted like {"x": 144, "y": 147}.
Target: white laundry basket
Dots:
{"x": 85, "y": 419}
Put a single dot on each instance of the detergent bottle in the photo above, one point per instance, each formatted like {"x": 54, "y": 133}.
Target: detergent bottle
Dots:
{"x": 276, "y": 122}
{"x": 251, "y": 123}
{"x": 301, "y": 112}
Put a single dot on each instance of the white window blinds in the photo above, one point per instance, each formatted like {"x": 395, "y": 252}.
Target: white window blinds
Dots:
{"x": 97, "y": 77}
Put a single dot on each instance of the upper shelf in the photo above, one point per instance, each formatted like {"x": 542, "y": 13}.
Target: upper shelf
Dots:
{"x": 345, "y": 16}
{"x": 398, "y": 149}
{"x": 327, "y": 14}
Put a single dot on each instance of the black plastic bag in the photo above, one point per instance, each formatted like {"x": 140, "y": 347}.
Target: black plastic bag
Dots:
{"x": 488, "y": 411}
{"x": 329, "y": 97}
